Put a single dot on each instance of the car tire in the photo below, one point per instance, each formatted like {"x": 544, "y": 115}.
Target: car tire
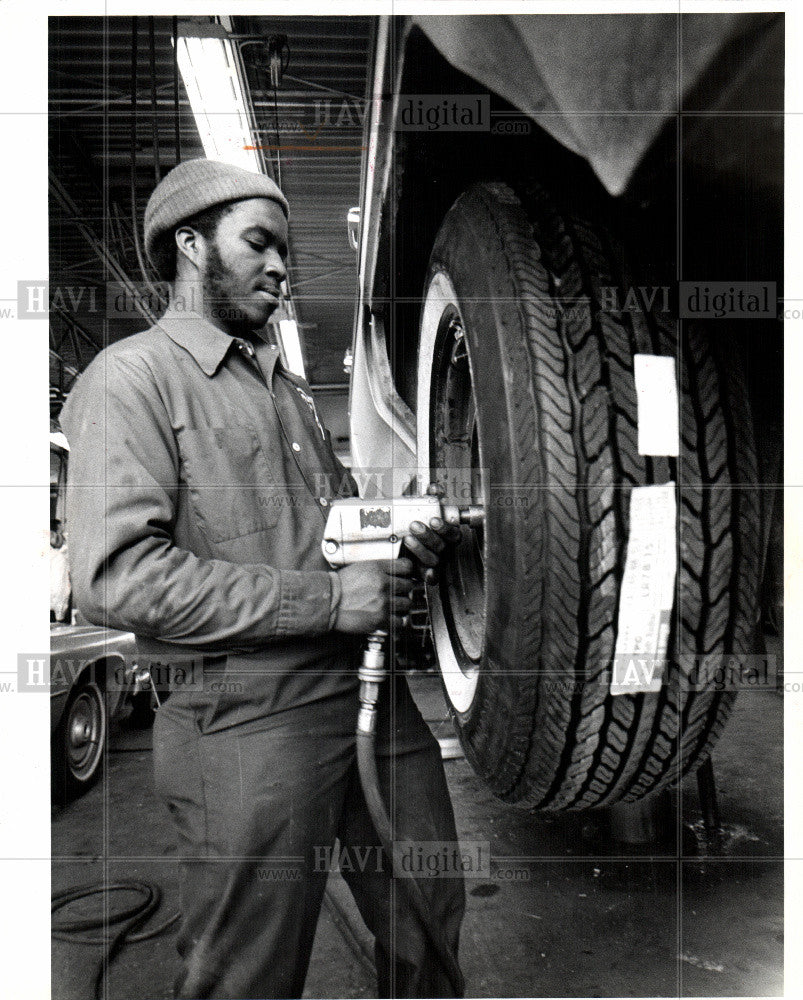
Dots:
{"x": 526, "y": 394}
{"x": 79, "y": 741}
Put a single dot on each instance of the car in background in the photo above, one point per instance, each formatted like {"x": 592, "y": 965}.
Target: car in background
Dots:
{"x": 92, "y": 676}
{"x": 93, "y": 670}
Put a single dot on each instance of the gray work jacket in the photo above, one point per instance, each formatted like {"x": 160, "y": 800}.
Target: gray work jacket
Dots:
{"x": 198, "y": 488}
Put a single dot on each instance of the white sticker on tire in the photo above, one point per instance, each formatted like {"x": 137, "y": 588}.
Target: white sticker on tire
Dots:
{"x": 646, "y": 598}
{"x": 657, "y": 400}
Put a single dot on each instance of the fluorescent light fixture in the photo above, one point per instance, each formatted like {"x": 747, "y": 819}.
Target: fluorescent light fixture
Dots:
{"x": 291, "y": 346}
{"x": 209, "y": 71}
{"x": 209, "y": 68}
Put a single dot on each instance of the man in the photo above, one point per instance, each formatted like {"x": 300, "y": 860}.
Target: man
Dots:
{"x": 200, "y": 483}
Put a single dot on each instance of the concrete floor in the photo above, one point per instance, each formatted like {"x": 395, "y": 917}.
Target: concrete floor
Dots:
{"x": 567, "y": 912}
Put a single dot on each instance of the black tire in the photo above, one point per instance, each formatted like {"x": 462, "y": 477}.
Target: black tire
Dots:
{"x": 530, "y": 610}
{"x": 79, "y": 741}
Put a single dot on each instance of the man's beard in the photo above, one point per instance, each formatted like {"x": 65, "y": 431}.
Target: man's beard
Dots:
{"x": 217, "y": 281}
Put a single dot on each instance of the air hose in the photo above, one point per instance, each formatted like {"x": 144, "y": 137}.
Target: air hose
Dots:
{"x": 131, "y": 917}
{"x": 371, "y": 675}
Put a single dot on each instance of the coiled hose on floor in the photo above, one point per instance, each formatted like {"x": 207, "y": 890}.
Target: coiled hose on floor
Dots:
{"x": 128, "y": 919}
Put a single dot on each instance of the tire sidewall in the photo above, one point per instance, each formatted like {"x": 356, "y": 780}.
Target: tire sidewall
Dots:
{"x": 500, "y": 368}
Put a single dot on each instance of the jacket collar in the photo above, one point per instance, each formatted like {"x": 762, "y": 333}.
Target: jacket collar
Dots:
{"x": 207, "y": 344}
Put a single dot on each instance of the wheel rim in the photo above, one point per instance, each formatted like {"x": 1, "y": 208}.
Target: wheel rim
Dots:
{"x": 449, "y": 446}
{"x": 455, "y": 446}
{"x": 85, "y": 731}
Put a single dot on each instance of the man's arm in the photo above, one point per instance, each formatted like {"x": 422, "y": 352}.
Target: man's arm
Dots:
{"x": 121, "y": 499}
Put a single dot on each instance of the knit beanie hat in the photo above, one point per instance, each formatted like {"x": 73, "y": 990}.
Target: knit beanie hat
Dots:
{"x": 193, "y": 187}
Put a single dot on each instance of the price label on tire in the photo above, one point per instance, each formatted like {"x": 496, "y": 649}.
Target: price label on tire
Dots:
{"x": 645, "y": 602}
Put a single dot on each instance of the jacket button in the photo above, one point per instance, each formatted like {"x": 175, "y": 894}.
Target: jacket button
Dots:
{"x": 323, "y": 502}
{"x": 296, "y": 446}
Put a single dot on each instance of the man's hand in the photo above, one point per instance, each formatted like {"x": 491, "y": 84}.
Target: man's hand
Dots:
{"x": 374, "y": 594}
{"x": 427, "y": 543}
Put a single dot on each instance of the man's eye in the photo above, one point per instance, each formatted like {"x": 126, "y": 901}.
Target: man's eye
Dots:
{"x": 259, "y": 247}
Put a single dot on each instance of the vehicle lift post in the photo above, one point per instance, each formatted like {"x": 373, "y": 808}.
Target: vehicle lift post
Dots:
{"x": 653, "y": 820}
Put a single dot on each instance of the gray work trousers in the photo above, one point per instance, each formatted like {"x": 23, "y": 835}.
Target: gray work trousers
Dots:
{"x": 257, "y": 808}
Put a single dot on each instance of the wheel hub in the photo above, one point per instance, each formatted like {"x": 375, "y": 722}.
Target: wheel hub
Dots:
{"x": 83, "y": 733}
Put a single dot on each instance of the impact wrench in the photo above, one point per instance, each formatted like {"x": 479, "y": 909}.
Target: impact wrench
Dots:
{"x": 358, "y": 531}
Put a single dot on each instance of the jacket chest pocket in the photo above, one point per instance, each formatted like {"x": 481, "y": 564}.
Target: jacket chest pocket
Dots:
{"x": 232, "y": 488}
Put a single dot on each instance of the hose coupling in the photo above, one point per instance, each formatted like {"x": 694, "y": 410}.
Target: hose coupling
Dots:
{"x": 372, "y": 669}
{"x": 371, "y": 673}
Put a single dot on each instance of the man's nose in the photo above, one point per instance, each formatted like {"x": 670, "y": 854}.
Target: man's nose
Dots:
{"x": 274, "y": 266}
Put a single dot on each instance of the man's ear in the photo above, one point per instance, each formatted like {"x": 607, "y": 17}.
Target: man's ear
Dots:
{"x": 189, "y": 244}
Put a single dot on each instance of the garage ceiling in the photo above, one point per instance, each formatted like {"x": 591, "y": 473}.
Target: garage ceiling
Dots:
{"x": 113, "y": 133}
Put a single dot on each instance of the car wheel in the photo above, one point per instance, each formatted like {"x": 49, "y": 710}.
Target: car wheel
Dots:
{"x": 527, "y": 400}
{"x": 79, "y": 741}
